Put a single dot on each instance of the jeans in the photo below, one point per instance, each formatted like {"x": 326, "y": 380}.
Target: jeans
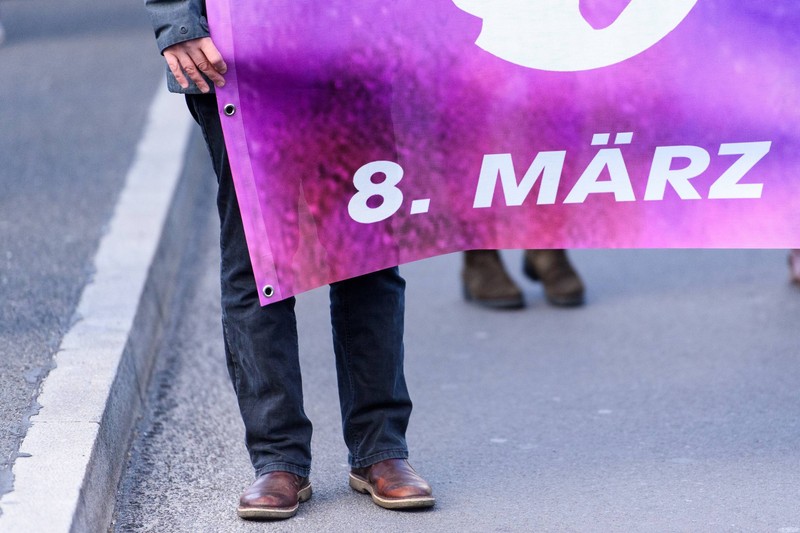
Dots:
{"x": 262, "y": 351}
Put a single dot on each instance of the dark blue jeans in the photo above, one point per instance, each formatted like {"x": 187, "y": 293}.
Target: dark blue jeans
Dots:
{"x": 262, "y": 351}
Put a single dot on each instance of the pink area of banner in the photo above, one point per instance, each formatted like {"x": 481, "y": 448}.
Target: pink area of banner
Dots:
{"x": 367, "y": 134}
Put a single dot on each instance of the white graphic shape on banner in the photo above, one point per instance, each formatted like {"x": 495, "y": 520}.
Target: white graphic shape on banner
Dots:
{"x": 553, "y": 34}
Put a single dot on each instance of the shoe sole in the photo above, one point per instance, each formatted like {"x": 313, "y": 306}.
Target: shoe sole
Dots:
{"x": 415, "y": 502}
{"x": 510, "y": 303}
{"x": 574, "y": 301}
{"x": 275, "y": 513}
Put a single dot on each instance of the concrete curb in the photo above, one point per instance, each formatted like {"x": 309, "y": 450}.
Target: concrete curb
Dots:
{"x": 72, "y": 457}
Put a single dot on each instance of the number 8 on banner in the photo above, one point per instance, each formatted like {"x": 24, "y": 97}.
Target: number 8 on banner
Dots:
{"x": 392, "y": 197}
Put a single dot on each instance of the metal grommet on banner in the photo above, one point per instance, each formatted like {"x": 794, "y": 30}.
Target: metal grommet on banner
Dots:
{"x": 268, "y": 291}
{"x": 230, "y": 110}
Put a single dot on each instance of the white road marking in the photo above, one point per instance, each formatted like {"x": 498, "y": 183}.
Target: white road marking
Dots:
{"x": 51, "y": 470}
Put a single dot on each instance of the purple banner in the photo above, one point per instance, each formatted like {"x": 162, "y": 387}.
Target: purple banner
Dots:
{"x": 366, "y": 134}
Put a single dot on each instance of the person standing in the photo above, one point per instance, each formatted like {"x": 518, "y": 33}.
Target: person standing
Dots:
{"x": 367, "y": 314}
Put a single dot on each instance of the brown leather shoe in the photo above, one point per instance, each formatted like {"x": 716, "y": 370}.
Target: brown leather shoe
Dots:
{"x": 562, "y": 285}
{"x": 274, "y": 496}
{"x": 486, "y": 282}
{"x": 393, "y": 484}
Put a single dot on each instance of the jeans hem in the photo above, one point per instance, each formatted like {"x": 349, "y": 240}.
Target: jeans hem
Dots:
{"x": 378, "y": 457}
{"x": 283, "y": 467}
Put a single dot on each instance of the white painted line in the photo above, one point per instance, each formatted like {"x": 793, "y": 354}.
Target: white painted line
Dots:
{"x": 62, "y": 439}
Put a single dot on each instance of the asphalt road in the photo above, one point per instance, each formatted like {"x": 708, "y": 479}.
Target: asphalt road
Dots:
{"x": 669, "y": 403}
{"x": 77, "y": 79}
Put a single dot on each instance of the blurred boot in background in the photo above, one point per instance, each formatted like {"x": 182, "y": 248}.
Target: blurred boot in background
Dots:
{"x": 794, "y": 266}
{"x": 486, "y": 282}
{"x": 562, "y": 285}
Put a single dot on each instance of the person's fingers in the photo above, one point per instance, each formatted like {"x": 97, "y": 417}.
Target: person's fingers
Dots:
{"x": 213, "y": 55}
{"x": 175, "y": 67}
{"x": 194, "y": 59}
{"x": 189, "y": 67}
{"x": 206, "y": 66}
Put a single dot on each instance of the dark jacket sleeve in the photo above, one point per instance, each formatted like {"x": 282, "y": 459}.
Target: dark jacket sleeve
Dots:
{"x": 175, "y": 21}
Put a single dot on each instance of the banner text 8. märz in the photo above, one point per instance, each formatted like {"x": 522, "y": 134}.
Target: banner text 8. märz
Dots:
{"x": 673, "y": 166}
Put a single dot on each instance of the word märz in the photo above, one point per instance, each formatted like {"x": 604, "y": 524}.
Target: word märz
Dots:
{"x": 549, "y": 167}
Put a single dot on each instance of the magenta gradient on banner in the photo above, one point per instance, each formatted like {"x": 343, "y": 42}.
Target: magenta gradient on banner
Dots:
{"x": 368, "y": 134}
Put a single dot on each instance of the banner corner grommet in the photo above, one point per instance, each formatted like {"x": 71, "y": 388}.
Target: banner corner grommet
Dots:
{"x": 268, "y": 291}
